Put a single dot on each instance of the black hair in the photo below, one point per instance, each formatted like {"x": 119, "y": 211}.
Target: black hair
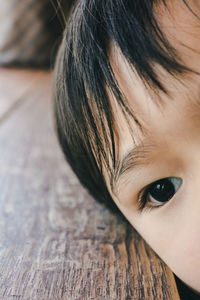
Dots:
{"x": 84, "y": 117}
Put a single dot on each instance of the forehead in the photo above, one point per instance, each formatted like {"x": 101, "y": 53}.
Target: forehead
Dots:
{"x": 180, "y": 25}
{"x": 168, "y": 126}
{"x": 158, "y": 114}
{"x": 164, "y": 117}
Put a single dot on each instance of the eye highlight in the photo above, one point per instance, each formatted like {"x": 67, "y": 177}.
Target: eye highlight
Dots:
{"x": 159, "y": 192}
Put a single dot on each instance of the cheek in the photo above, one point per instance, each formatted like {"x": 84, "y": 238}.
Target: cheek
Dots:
{"x": 181, "y": 252}
{"x": 177, "y": 245}
{"x": 183, "y": 258}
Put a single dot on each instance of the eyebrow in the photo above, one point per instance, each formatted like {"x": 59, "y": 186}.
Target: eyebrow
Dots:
{"x": 137, "y": 156}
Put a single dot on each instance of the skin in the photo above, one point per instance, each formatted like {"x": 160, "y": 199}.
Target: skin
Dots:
{"x": 172, "y": 139}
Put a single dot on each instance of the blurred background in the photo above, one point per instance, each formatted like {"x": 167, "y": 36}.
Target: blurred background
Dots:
{"x": 31, "y": 30}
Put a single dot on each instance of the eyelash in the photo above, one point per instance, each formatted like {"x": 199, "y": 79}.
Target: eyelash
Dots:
{"x": 142, "y": 200}
{"x": 144, "y": 203}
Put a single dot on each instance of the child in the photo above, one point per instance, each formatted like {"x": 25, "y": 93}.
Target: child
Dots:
{"x": 127, "y": 107}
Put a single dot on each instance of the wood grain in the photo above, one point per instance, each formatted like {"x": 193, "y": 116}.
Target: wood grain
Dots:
{"x": 56, "y": 242}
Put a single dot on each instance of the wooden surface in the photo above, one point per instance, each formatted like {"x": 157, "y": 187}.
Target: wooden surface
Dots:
{"x": 56, "y": 242}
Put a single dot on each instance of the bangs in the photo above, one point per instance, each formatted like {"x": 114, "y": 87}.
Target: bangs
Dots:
{"x": 83, "y": 76}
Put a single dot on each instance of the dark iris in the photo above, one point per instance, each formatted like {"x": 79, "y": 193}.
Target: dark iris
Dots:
{"x": 162, "y": 190}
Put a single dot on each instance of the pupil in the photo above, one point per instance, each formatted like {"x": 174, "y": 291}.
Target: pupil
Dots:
{"x": 162, "y": 190}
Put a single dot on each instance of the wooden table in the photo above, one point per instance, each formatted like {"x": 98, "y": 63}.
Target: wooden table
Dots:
{"x": 56, "y": 242}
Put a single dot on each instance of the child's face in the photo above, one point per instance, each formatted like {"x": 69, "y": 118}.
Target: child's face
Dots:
{"x": 171, "y": 150}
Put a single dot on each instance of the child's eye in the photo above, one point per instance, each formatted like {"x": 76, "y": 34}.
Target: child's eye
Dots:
{"x": 159, "y": 192}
